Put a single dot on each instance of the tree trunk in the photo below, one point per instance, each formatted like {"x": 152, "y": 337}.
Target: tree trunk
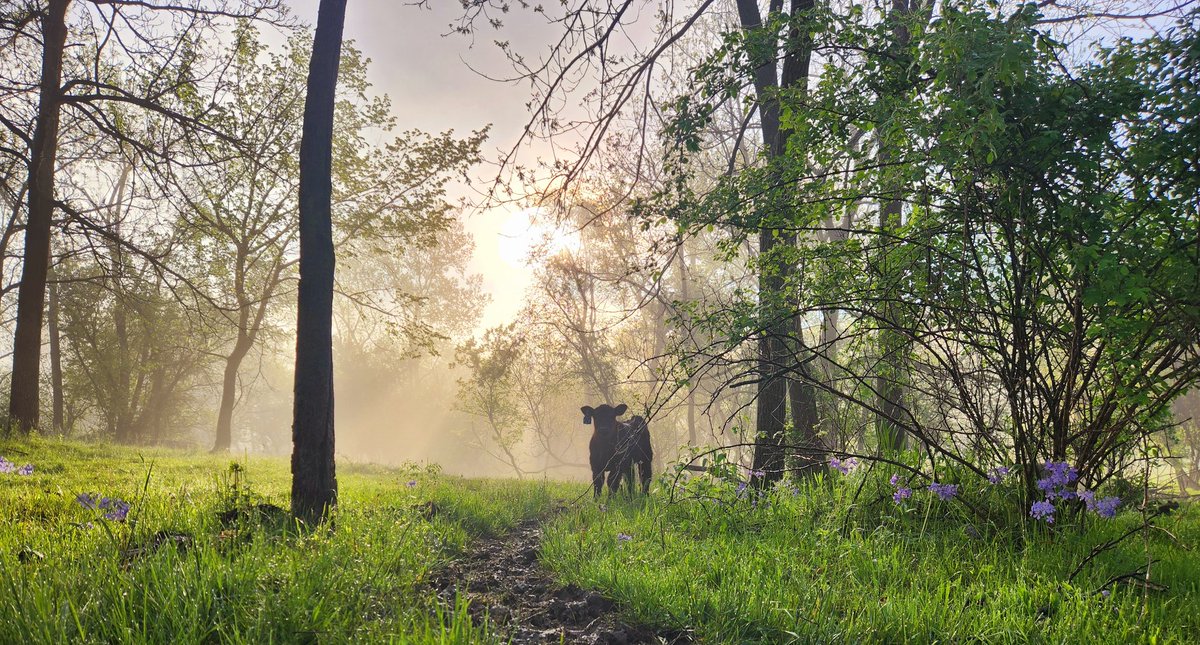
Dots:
{"x": 56, "y": 374}
{"x": 314, "y": 480}
{"x": 233, "y": 363}
{"x": 774, "y": 358}
{"x": 685, "y": 295}
{"x": 23, "y": 400}
{"x": 889, "y": 386}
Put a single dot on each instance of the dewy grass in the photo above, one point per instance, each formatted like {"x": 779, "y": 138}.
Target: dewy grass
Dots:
{"x": 203, "y": 556}
{"x": 184, "y": 567}
{"x": 795, "y": 570}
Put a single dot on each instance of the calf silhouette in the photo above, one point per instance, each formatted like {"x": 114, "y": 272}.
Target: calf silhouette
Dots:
{"x": 616, "y": 446}
{"x": 634, "y": 450}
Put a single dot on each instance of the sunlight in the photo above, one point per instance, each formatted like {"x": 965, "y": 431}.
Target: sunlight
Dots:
{"x": 525, "y": 239}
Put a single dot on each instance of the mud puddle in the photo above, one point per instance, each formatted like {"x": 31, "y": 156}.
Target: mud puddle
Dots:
{"x": 503, "y": 579}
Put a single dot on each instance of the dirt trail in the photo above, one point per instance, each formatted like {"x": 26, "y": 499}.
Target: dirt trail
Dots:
{"x": 503, "y": 579}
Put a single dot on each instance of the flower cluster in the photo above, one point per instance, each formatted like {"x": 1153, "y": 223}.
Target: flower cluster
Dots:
{"x": 1058, "y": 477}
{"x": 1042, "y": 510}
{"x": 1055, "y": 484}
{"x": 844, "y": 466}
{"x": 903, "y": 492}
{"x": 115, "y": 509}
{"x": 7, "y": 466}
{"x": 944, "y": 492}
{"x": 1105, "y": 507}
{"x": 997, "y": 475}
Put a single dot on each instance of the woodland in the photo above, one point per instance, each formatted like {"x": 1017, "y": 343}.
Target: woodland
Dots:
{"x": 906, "y": 292}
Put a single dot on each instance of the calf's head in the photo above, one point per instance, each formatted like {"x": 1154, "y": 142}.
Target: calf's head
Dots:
{"x": 604, "y": 417}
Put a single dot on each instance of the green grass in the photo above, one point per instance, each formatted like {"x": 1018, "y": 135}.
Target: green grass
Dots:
{"x": 70, "y": 577}
{"x": 798, "y": 571}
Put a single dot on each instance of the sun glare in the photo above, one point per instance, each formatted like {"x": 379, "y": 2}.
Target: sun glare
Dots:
{"x": 525, "y": 238}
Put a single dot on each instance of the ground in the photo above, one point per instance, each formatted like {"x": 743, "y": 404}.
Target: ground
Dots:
{"x": 207, "y": 554}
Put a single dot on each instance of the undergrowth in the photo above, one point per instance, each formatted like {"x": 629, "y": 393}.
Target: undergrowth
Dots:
{"x": 840, "y": 560}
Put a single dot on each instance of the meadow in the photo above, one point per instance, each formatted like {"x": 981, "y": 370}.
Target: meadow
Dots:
{"x": 205, "y": 553}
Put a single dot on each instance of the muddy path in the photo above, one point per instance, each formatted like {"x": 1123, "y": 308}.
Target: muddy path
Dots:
{"x": 504, "y": 581}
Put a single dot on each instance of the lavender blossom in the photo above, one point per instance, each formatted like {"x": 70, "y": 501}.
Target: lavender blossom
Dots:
{"x": 6, "y": 466}
{"x": 1107, "y": 507}
{"x": 997, "y": 475}
{"x": 117, "y": 510}
{"x": 624, "y": 537}
{"x": 1042, "y": 510}
{"x": 901, "y": 494}
{"x": 87, "y": 500}
{"x": 25, "y": 470}
{"x": 1058, "y": 476}
{"x": 844, "y": 466}
{"x": 944, "y": 491}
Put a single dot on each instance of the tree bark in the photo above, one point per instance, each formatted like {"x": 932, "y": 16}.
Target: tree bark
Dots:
{"x": 775, "y": 358}
{"x": 56, "y": 374}
{"x": 314, "y": 480}
{"x": 233, "y": 363}
{"x": 889, "y": 387}
{"x": 23, "y": 403}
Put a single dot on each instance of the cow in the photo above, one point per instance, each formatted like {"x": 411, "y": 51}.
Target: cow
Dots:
{"x": 634, "y": 449}
{"x": 616, "y": 446}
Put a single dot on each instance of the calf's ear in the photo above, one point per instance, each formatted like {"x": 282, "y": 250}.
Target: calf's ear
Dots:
{"x": 621, "y": 409}
{"x": 588, "y": 413}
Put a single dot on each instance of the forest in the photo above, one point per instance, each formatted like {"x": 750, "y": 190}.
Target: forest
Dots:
{"x": 647, "y": 321}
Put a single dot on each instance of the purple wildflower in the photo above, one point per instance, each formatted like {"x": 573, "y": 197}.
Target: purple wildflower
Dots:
{"x": 1058, "y": 476}
{"x": 757, "y": 474}
{"x": 944, "y": 491}
{"x": 25, "y": 470}
{"x": 997, "y": 475}
{"x": 1042, "y": 510}
{"x": 86, "y": 500}
{"x": 624, "y": 537}
{"x": 1105, "y": 592}
{"x": 6, "y": 466}
{"x": 741, "y": 488}
{"x": 844, "y": 466}
{"x": 412, "y": 483}
{"x": 901, "y": 494}
{"x": 116, "y": 509}
{"x": 895, "y": 480}
{"x": 1107, "y": 507}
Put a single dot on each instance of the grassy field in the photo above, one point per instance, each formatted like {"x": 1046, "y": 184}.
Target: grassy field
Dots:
{"x": 790, "y": 567}
{"x": 204, "y": 556}
{"x": 71, "y": 576}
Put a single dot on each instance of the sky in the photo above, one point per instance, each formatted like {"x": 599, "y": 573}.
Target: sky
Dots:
{"x": 435, "y": 84}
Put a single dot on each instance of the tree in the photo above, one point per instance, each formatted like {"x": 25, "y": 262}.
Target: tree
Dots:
{"x": 160, "y": 74}
{"x": 314, "y": 479}
{"x": 23, "y": 404}
{"x": 236, "y": 201}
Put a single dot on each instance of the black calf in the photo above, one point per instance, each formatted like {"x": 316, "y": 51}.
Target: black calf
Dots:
{"x": 616, "y": 447}
{"x": 635, "y": 450}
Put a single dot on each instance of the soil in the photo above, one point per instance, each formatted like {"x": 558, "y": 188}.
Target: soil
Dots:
{"x": 504, "y": 581}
